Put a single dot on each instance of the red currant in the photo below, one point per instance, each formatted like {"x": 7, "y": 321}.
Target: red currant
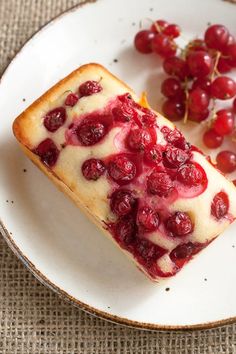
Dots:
{"x": 159, "y": 183}
{"x": 223, "y": 88}
{"x": 220, "y": 205}
{"x": 226, "y": 161}
{"x": 71, "y": 99}
{"x": 216, "y": 37}
{"x": 122, "y": 202}
{"x": 224, "y": 123}
{"x": 89, "y": 87}
{"x": 54, "y": 119}
{"x": 139, "y": 139}
{"x": 173, "y": 109}
{"x": 224, "y": 66}
{"x": 176, "y": 66}
{"x": 121, "y": 169}
{"x": 171, "y": 87}
{"x": 172, "y": 31}
{"x": 234, "y": 105}
{"x": 174, "y": 157}
{"x": 197, "y": 44}
{"x": 179, "y": 224}
{"x": 143, "y": 41}
{"x": 163, "y": 45}
{"x": 92, "y": 169}
{"x": 212, "y": 139}
{"x": 153, "y": 155}
{"x": 191, "y": 174}
{"x": 159, "y": 25}
{"x": 231, "y": 53}
{"x": 147, "y": 219}
{"x": 198, "y": 100}
{"x": 198, "y": 117}
{"x": 204, "y": 83}
{"x": 200, "y": 63}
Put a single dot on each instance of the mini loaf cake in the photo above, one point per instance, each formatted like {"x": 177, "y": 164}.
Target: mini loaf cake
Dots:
{"x": 128, "y": 168}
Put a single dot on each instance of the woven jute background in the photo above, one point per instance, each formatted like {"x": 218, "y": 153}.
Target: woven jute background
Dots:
{"x": 33, "y": 320}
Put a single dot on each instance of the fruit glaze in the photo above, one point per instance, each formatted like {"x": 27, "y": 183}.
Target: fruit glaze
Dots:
{"x": 156, "y": 195}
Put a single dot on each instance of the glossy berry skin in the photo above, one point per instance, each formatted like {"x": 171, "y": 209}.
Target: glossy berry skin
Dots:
{"x": 159, "y": 25}
{"x": 224, "y": 122}
{"x": 176, "y": 66}
{"x": 226, "y": 161}
{"x": 173, "y": 109}
{"x": 220, "y": 205}
{"x": 124, "y": 113}
{"x": 179, "y": 224}
{"x": 212, "y": 139}
{"x": 191, "y": 174}
{"x": 48, "y": 152}
{"x": 139, "y": 139}
{"x": 71, "y": 99}
{"x": 198, "y": 100}
{"x": 196, "y": 45}
{"x": 92, "y": 169}
{"x": 163, "y": 45}
{"x": 198, "y": 117}
{"x": 122, "y": 202}
{"x": 143, "y": 41}
{"x": 224, "y": 66}
{"x": 90, "y": 132}
{"x": 216, "y": 37}
{"x": 174, "y": 157}
{"x": 159, "y": 183}
{"x": 203, "y": 83}
{"x": 234, "y": 105}
{"x": 89, "y": 88}
{"x": 200, "y": 63}
{"x": 223, "y": 88}
{"x": 171, "y": 88}
{"x": 54, "y": 119}
{"x": 121, "y": 169}
{"x": 147, "y": 219}
{"x": 153, "y": 155}
{"x": 172, "y": 30}
{"x": 230, "y": 52}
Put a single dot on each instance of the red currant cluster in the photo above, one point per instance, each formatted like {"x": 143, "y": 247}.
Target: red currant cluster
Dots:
{"x": 196, "y": 80}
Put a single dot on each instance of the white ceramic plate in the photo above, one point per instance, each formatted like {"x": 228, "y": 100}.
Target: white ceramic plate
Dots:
{"x": 61, "y": 247}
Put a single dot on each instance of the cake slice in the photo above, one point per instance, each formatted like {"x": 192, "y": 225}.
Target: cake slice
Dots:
{"x": 128, "y": 168}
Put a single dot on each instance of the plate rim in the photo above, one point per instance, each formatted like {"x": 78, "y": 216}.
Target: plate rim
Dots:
{"x": 56, "y": 289}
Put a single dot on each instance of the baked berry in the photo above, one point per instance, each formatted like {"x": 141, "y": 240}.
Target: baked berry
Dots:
{"x": 121, "y": 169}
{"x": 147, "y": 219}
{"x": 191, "y": 175}
{"x": 122, "y": 202}
{"x": 148, "y": 252}
{"x": 174, "y": 157}
{"x": 223, "y": 88}
{"x": 226, "y": 161}
{"x": 175, "y": 138}
{"x": 125, "y": 230}
{"x": 89, "y": 87}
{"x": 71, "y": 99}
{"x": 224, "y": 122}
{"x": 148, "y": 119}
{"x": 173, "y": 109}
{"x": 179, "y": 224}
{"x": 159, "y": 183}
{"x": 123, "y": 113}
{"x": 48, "y": 152}
{"x": 153, "y": 155}
{"x": 143, "y": 41}
{"x": 216, "y": 37}
{"x": 200, "y": 63}
{"x": 212, "y": 139}
{"x": 182, "y": 252}
{"x": 54, "y": 119}
{"x": 139, "y": 139}
{"x": 163, "y": 45}
{"x": 90, "y": 132}
{"x": 220, "y": 205}
{"x": 92, "y": 169}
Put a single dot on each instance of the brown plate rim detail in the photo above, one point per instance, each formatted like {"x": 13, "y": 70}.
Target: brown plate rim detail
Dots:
{"x": 63, "y": 294}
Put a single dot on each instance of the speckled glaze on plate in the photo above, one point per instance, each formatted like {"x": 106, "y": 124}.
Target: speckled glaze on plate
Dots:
{"x": 55, "y": 241}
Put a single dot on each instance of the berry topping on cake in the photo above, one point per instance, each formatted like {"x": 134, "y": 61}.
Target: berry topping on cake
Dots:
{"x": 220, "y": 205}
{"x": 174, "y": 157}
{"x": 90, "y": 132}
{"x": 48, "y": 152}
{"x": 54, "y": 119}
{"x": 125, "y": 230}
{"x": 153, "y": 155}
{"x": 139, "y": 139}
{"x": 147, "y": 219}
{"x": 159, "y": 183}
{"x": 123, "y": 113}
{"x": 71, "y": 99}
{"x": 92, "y": 169}
{"x": 191, "y": 174}
{"x": 121, "y": 169}
{"x": 122, "y": 202}
{"x": 90, "y": 87}
{"x": 179, "y": 224}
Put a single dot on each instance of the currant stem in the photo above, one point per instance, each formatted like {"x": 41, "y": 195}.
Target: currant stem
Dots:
{"x": 215, "y": 71}
{"x": 185, "y": 119}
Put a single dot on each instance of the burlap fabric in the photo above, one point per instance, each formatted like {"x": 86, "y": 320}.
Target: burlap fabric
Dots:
{"x": 33, "y": 320}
